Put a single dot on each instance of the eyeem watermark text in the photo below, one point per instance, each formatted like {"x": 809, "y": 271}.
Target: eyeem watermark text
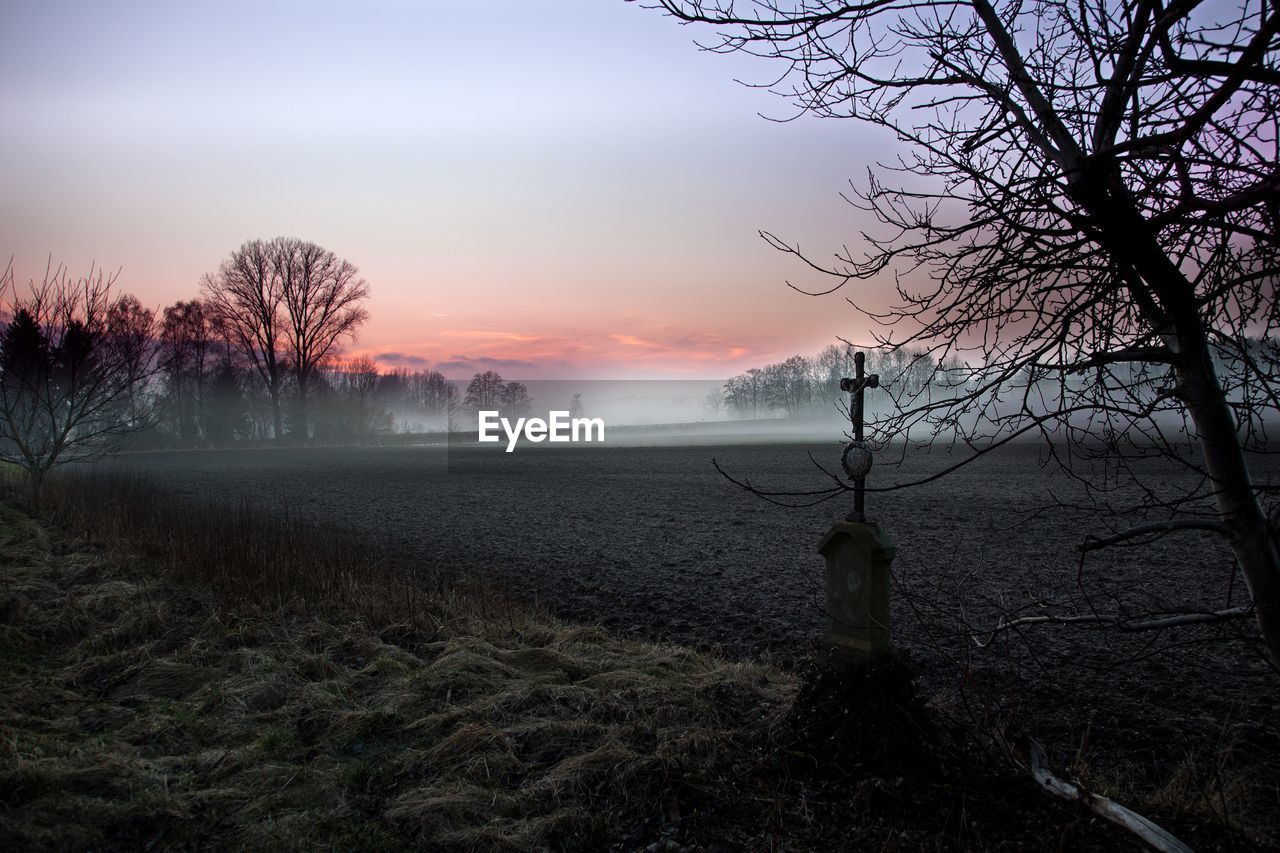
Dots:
{"x": 558, "y": 427}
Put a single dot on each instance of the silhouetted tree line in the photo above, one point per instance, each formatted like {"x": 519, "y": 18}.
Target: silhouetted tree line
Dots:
{"x": 256, "y": 355}
{"x": 85, "y": 370}
{"x": 488, "y": 391}
{"x": 217, "y": 400}
{"x": 220, "y": 400}
{"x": 803, "y": 385}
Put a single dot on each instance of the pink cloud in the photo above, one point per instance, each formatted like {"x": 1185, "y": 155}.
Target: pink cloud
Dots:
{"x": 662, "y": 350}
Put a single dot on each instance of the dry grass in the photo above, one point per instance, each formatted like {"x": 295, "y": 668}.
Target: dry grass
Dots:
{"x": 141, "y": 707}
{"x": 188, "y": 678}
{"x": 1208, "y": 794}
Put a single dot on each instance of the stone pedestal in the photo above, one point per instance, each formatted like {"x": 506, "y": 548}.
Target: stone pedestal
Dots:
{"x": 858, "y": 558}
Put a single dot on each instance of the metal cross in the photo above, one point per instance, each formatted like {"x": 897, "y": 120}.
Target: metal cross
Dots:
{"x": 857, "y": 468}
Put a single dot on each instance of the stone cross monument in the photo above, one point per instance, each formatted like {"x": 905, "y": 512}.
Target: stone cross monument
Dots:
{"x": 858, "y": 556}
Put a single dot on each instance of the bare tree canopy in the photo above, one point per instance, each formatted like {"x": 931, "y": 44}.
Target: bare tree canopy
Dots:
{"x": 244, "y": 300}
{"x": 322, "y": 296}
{"x": 131, "y": 329}
{"x": 286, "y": 304}
{"x": 186, "y": 345}
{"x": 488, "y": 391}
{"x": 484, "y": 391}
{"x": 74, "y": 360}
{"x": 1084, "y": 217}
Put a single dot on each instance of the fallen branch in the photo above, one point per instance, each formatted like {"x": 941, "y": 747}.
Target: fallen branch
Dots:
{"x": 1154, "y": 836}
{"x": 1093, "y": 543}
{"x": 1120, "y": 623}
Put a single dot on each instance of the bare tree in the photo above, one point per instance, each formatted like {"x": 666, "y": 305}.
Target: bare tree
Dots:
{"x": 244, "y": 300}
{"x": 225, "y": 415}
{"x": 437, "y": 397}
{"x": 514, "y": 400}
{"x": 286, "y": 304}
{"x": 74, "y": 361}
{"x": 419, "y": 400}
{"x": 433, "y": 392}
{"x": 1086, "y": 223}
{"x": 186, "y": 345}
{"x": 131, "y": 328}
{"x": 321, "y": 295}
{"x": 745, "y": 393}
{"x": 484, "y": 391}
{"x": 351, "y": 402}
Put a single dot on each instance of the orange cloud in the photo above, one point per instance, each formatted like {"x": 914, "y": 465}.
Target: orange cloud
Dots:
{"x": 485, "y": 334}
{"x": 633, "y": 341}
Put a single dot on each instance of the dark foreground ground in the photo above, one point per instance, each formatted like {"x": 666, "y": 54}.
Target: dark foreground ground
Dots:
{"x": 159, "y": 691}
{"x": 654, "y": 543}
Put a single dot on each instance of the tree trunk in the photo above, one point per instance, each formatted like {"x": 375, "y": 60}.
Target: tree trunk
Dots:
{"x": 1170, "y": 306}
{"x": 303, "y": 425}
{"x": 35, "y": 485}
{"x": 277, "y": 416}
{"x": 1254, "y": 544}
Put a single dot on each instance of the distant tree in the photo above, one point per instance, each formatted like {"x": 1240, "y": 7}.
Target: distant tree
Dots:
{"x": 1093, "y": 191}
{"x": 829, "y": 366}
{"x": 575, "y": 406}
{"x": 131, "y": 328}
{"x": 786, "y": 385}
{"x": 713, "y": 403}
{"x": 744, "y": 394}
{"x": 244, "y": 298}
{"x": 437, "y": 398}
{"x": 186, "y": 345}
{"x": 225, "y": 410}
{"x": 433, "y": 392}
{"x": 394, "y": 387}
{"x": 800, "y": 385}
{"x": 287, "y": 304}
{"x": 356, "y": 405}
{"x": 322, "y": 296}
{"x": 514, "y": 400}
{"x": 905, "y": 371}
{"x": 484, "y": 391}
{"x": 74, "y": 360}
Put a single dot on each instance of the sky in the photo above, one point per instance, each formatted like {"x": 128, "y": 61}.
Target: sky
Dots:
{"x": 553, "y": 189}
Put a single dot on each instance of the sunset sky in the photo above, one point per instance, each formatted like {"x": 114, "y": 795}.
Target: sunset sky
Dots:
{"x": 550, "y": 189}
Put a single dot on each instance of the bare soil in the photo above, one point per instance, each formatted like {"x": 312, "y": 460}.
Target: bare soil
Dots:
{"x": 653, "y": 543}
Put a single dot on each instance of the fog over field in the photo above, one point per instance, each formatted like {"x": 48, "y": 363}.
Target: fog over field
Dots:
{"x": 640, "y": 413}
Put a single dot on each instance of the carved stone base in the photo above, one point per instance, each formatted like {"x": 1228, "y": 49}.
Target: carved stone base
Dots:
{"x": 859, "y": 557}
